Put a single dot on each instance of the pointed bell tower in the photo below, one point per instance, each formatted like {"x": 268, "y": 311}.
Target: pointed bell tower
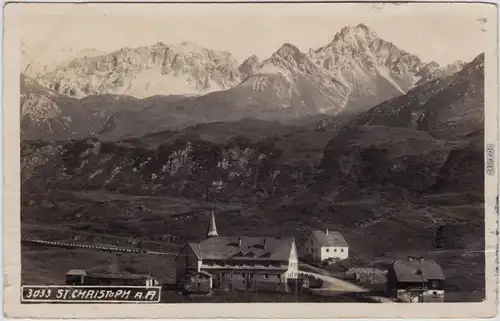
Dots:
{"x": 212, "y": 228}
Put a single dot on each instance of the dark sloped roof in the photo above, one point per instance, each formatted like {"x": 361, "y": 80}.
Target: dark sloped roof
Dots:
{"x": 76, "y": 272}
{"x": 416, "y": 270}
{"x": 196, "y": 248}
{"x": 122, "y": 276}
{"x": 252, "y": 248}
{"x": 333, "y": 238}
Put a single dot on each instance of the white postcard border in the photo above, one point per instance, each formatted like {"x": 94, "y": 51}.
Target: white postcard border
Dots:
{"x": 11, "y": 228}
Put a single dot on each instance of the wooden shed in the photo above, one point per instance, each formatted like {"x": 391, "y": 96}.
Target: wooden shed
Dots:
{"x": 82, "y": 277}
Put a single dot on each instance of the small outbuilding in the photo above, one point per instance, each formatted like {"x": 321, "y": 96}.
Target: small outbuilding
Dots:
{"x": 75, "y": 276}
{"x": 82, "y": 277}
{"x": 416, "y": 280}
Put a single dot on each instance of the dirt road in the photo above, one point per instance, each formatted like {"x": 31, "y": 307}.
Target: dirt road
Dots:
{"x": 332, "y": 284}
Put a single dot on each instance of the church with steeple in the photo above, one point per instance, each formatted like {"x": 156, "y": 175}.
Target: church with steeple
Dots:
{"x": 237, "y": 262}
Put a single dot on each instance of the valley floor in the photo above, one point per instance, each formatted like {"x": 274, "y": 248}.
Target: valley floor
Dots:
{"x": 165, "y": 224}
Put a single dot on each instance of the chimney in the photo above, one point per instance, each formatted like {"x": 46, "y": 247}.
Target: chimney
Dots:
{"x": 265, "y": 244}
{"x": 239, "y": 242}
{"x": 326, "y": 231}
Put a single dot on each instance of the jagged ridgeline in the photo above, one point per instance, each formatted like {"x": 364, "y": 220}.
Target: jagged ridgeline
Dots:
{"x": 115, "y": 95}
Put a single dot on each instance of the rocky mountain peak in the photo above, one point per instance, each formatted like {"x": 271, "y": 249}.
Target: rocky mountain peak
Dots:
{"x": 288, "y": 50}
{"x": 361, "y": 31}
{"x": 457, "y": 63}
{"x": 476, "y": 64}
{"x": 248, "y": 67}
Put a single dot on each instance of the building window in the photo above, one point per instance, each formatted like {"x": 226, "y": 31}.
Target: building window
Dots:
{"x": 266, "y": 275}
{"x": 278, "y": 276}
{"x": 341, "y": 250}
{"x": 243, "y": 274}
{"x": 328, "y": 250}
{"x": 334, "y": 250}
{"x": 242, "y": 281}
{"x": 251, "y": 275}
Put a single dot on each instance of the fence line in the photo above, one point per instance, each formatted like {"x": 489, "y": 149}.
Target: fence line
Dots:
{"x": 100, "y": 247}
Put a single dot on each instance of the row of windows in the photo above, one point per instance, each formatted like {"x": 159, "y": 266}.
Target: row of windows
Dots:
{"x": 250, "y": 275}
{"x": 240, "y": 264}
{"x": 328, "y": 250}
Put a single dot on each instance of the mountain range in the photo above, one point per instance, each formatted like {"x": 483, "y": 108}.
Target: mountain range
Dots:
{"x": 172, "y": 87}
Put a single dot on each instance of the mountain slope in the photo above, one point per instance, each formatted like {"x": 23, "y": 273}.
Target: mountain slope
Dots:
{"x": 449, "y": 108}
{"x": 384, "y": 157}
{"x": 433, "y": 71}
{"x": 47, "y": 115}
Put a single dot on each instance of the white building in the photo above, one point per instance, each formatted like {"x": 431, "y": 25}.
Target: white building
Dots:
{"x": 324, "y": 245}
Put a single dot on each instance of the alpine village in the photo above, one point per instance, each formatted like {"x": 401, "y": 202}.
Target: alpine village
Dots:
{"x": 277, "y": 265}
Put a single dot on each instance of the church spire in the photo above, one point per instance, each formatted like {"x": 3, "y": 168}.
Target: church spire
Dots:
{"x": 212, "y": 228}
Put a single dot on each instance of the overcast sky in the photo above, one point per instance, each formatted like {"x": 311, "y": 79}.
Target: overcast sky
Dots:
{"x": 439, "y": 32}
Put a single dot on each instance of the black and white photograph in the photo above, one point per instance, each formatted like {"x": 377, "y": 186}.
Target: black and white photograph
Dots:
{"x": 253, "y": 153}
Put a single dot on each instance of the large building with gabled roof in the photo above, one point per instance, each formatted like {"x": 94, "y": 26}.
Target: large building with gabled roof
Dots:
{"x": 240, "y": 262}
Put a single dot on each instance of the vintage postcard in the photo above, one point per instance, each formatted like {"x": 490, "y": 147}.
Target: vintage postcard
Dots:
{"x": 250, "y": 160}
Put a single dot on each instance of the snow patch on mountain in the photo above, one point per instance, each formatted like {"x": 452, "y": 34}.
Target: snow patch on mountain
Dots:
{"x": 151, "y": 82}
